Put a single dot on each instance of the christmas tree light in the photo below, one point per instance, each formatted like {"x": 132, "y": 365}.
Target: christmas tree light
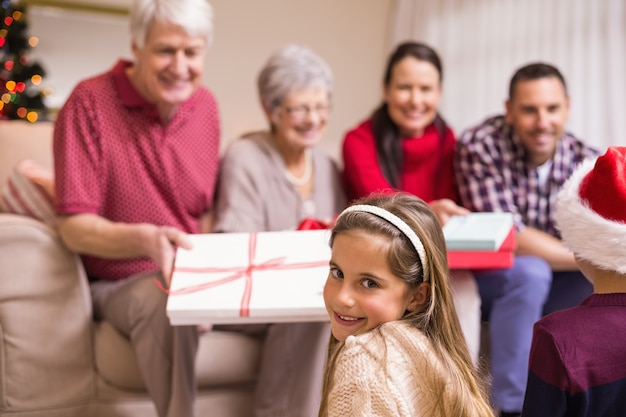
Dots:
{"x": 21, "y": 93}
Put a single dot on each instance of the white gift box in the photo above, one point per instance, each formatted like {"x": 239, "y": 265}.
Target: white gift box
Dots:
{"x": 241, "y": 278}
{"x": 478, "y": 231}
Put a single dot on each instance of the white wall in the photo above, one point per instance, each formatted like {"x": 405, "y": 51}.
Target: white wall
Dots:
{"x": 350, "y": 34}
{"x": 74, "y": 45}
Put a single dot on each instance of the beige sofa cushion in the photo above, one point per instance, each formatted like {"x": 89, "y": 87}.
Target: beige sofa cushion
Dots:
{"x": 223, "y": 358}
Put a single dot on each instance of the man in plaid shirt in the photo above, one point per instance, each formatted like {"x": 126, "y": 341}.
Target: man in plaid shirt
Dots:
{"x": 517, "y": 163}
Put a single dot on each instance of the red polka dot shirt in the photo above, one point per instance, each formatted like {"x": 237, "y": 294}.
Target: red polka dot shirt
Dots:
{"x": 114, "y": 157}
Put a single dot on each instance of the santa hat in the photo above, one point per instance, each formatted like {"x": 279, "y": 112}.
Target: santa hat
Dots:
{"x": 591, "y": 210}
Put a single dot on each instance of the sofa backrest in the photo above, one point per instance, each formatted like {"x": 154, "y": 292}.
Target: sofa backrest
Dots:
{"x": 21, "y": 140}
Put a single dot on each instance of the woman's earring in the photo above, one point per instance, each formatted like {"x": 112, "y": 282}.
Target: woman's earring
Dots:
{"x": 411, "y": 307}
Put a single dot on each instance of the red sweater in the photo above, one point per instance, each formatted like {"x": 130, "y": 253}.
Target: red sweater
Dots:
{"x": 427, "y": 171}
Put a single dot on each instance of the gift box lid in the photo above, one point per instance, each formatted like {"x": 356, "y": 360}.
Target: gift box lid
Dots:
{"x": 477, "y": 231}
{"x": 250, "y": 278}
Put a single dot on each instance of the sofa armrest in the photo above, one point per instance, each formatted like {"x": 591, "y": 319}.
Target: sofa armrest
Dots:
{"x": 45, "y": 320}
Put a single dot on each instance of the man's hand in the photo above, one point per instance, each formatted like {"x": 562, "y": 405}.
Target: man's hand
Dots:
{"x": 162, "y": 249}
{"x": 93, "y": 235}
{"x": 445, "y": 208}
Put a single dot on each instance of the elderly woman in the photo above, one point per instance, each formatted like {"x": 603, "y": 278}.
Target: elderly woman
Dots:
{"x": 271, "y": 181}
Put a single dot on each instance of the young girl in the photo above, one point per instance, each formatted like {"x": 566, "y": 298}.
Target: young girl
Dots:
{"x": 396, "y": 348}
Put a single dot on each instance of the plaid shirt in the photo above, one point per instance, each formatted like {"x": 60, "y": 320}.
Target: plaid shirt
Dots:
{"x": 493, "y": 174}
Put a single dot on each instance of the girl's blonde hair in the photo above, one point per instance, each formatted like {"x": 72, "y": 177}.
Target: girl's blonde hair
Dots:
{"x": 437, "y": 318}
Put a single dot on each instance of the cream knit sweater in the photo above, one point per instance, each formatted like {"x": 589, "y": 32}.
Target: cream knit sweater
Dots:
{"x": 390, "y": 371}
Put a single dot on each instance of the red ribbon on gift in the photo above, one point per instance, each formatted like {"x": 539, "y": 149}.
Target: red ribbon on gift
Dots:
{"x": 238, "y": 273}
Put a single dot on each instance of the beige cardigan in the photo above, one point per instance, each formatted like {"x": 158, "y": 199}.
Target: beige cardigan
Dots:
{"x": 253, "y": 194}
{"x": 390, "y": 371}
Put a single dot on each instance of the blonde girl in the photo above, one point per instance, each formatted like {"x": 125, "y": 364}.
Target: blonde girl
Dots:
{"x": 396, "y": 348}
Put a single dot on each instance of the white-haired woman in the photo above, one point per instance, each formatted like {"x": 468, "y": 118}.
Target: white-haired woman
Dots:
{"x": 270, "y": 181}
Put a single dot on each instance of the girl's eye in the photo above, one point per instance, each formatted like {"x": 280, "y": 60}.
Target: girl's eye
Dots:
{"x": 368, "y": 283}
{"x": 336, "y": 273}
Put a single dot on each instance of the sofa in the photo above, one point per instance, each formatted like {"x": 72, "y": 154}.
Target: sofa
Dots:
{"x": 55, "y": 360}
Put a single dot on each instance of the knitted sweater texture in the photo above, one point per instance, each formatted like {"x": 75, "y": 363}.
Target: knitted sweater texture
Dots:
{"x": 389, "y": 371}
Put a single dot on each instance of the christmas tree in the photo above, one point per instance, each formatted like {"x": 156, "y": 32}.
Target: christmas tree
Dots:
{"x": 21, "y": 93}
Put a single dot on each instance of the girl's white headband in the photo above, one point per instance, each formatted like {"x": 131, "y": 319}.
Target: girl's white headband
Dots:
{"x": 399, "y": 224}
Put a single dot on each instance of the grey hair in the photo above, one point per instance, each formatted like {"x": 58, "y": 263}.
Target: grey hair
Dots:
{"x": 195, "y": 17}
{"x": 291, "y": 69}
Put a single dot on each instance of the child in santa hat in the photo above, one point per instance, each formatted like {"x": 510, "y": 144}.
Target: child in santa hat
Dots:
{"x": 578, "y": 355}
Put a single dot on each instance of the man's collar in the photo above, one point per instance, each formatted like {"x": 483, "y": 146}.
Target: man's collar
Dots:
{"x": 128, "y": 94}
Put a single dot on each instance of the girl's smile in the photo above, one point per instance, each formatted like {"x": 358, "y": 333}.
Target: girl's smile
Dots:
{"x": 361, "y": 292}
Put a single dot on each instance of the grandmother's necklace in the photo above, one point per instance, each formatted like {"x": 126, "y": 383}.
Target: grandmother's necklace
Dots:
{"x": 308, "y": 171}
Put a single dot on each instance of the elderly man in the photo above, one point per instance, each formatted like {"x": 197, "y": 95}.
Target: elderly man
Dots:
{"x": 136, "y": 156}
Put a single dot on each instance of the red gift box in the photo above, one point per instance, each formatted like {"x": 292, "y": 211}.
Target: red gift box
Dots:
{"x": 484, "y": 259}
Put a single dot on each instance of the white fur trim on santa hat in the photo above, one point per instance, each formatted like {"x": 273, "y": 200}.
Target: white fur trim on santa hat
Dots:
{"x": 589, "y": 235}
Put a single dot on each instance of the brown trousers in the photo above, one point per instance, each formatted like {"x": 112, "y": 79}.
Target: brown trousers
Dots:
{"x": 166, "y": 354}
